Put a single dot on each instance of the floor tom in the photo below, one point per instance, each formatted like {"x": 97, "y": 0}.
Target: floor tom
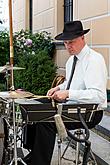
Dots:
{"x": 3, "y": 138}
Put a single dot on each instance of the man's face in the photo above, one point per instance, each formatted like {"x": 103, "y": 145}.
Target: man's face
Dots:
{"x": 74, "y": 46}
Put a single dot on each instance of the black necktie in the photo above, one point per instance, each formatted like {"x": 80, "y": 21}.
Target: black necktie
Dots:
{"x": 72, "y": 72}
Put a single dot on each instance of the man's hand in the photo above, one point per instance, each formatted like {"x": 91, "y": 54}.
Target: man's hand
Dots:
{"x": 60, "y": 95}
{"x": 52, "y": 91}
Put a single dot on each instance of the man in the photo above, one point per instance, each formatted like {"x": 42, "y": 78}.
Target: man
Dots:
{"x": 87, "y": 84}
{"x": 90, "y": 76}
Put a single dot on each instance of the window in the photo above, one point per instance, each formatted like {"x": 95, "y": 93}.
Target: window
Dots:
{"x": 68, "y": 10}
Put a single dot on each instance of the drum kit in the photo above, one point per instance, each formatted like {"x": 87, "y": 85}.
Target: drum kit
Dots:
{"x": 8, "y": 117}
{"x": 7, "y": 100}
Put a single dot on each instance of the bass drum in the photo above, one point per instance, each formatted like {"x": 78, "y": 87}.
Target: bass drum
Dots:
{"x": 2, "y": 139}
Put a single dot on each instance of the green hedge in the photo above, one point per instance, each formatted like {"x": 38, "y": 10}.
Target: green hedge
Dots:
{"x": 38, "y": 74}
{"x": 34, "y": 52}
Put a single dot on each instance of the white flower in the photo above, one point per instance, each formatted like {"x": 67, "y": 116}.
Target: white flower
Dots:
{"x": 33, "y": 53}
{"x": 28, "y": 42}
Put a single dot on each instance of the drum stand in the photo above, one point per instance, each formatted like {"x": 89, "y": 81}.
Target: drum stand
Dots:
{"x": 15, "y": 158}
{"x": 7, "y": 75}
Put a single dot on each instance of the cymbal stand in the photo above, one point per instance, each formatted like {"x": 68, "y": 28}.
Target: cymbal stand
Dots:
{"x": 12, "y": 79}
{"x": 7, "y": 79}
{"x": 7, "y": 76}
{"x": 15, "y": 158}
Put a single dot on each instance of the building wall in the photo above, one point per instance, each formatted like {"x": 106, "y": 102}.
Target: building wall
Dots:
{"x": 48, "y": 15}
{"x": 20, "y": 15}
{"x": 95, "y": 15}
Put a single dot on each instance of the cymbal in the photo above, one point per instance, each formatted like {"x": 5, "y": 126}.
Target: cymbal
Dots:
{"x": 15, "y": 94}
{"x": 5, "y": 68}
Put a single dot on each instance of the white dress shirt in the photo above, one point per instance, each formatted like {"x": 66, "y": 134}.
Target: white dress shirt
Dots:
{"x": 89, "y": 80}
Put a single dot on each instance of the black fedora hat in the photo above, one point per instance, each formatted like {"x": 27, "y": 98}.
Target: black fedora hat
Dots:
{"x": 72, "y": 29}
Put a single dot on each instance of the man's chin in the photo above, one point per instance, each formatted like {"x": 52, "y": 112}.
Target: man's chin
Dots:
{"x": 71, "y": 53}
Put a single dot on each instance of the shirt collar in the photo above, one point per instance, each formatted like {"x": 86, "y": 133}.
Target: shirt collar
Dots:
{"x": 84, "y": 51}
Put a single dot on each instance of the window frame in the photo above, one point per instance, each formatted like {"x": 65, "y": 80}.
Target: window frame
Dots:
{"x": 68, "y": 10}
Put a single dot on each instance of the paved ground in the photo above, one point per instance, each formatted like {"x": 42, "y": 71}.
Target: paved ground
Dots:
{"x": 69, "y": 155}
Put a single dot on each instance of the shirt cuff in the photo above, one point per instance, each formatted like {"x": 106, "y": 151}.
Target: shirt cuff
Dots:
{"x": 74, "y": 95}
{"x": 61, "y": 87}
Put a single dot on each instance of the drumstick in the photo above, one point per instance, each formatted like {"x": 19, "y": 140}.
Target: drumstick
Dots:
{"x": 39, "y": 97}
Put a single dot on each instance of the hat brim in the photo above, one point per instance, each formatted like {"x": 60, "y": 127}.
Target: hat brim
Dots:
{"x": 70, "y": 36}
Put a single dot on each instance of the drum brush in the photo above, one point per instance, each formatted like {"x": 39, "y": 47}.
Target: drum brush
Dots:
{"x": 60, "y": 127}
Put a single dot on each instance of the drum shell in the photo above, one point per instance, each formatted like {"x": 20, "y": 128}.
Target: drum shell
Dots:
{"x": 5, "y": 109}
{"x": 2, "y": 108}
{"x": 3, "y": 138}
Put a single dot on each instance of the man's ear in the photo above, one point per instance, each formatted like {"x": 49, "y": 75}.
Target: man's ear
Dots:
{"x": 82, "y": 37}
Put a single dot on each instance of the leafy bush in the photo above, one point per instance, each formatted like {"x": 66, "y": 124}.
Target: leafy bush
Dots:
{"x": 33, "y": 52}
{"x": 28, "y": 43}
{"x": 4, "y": 56}
{"x": 38, "y": 74}
{"x": 4, "y": 47}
